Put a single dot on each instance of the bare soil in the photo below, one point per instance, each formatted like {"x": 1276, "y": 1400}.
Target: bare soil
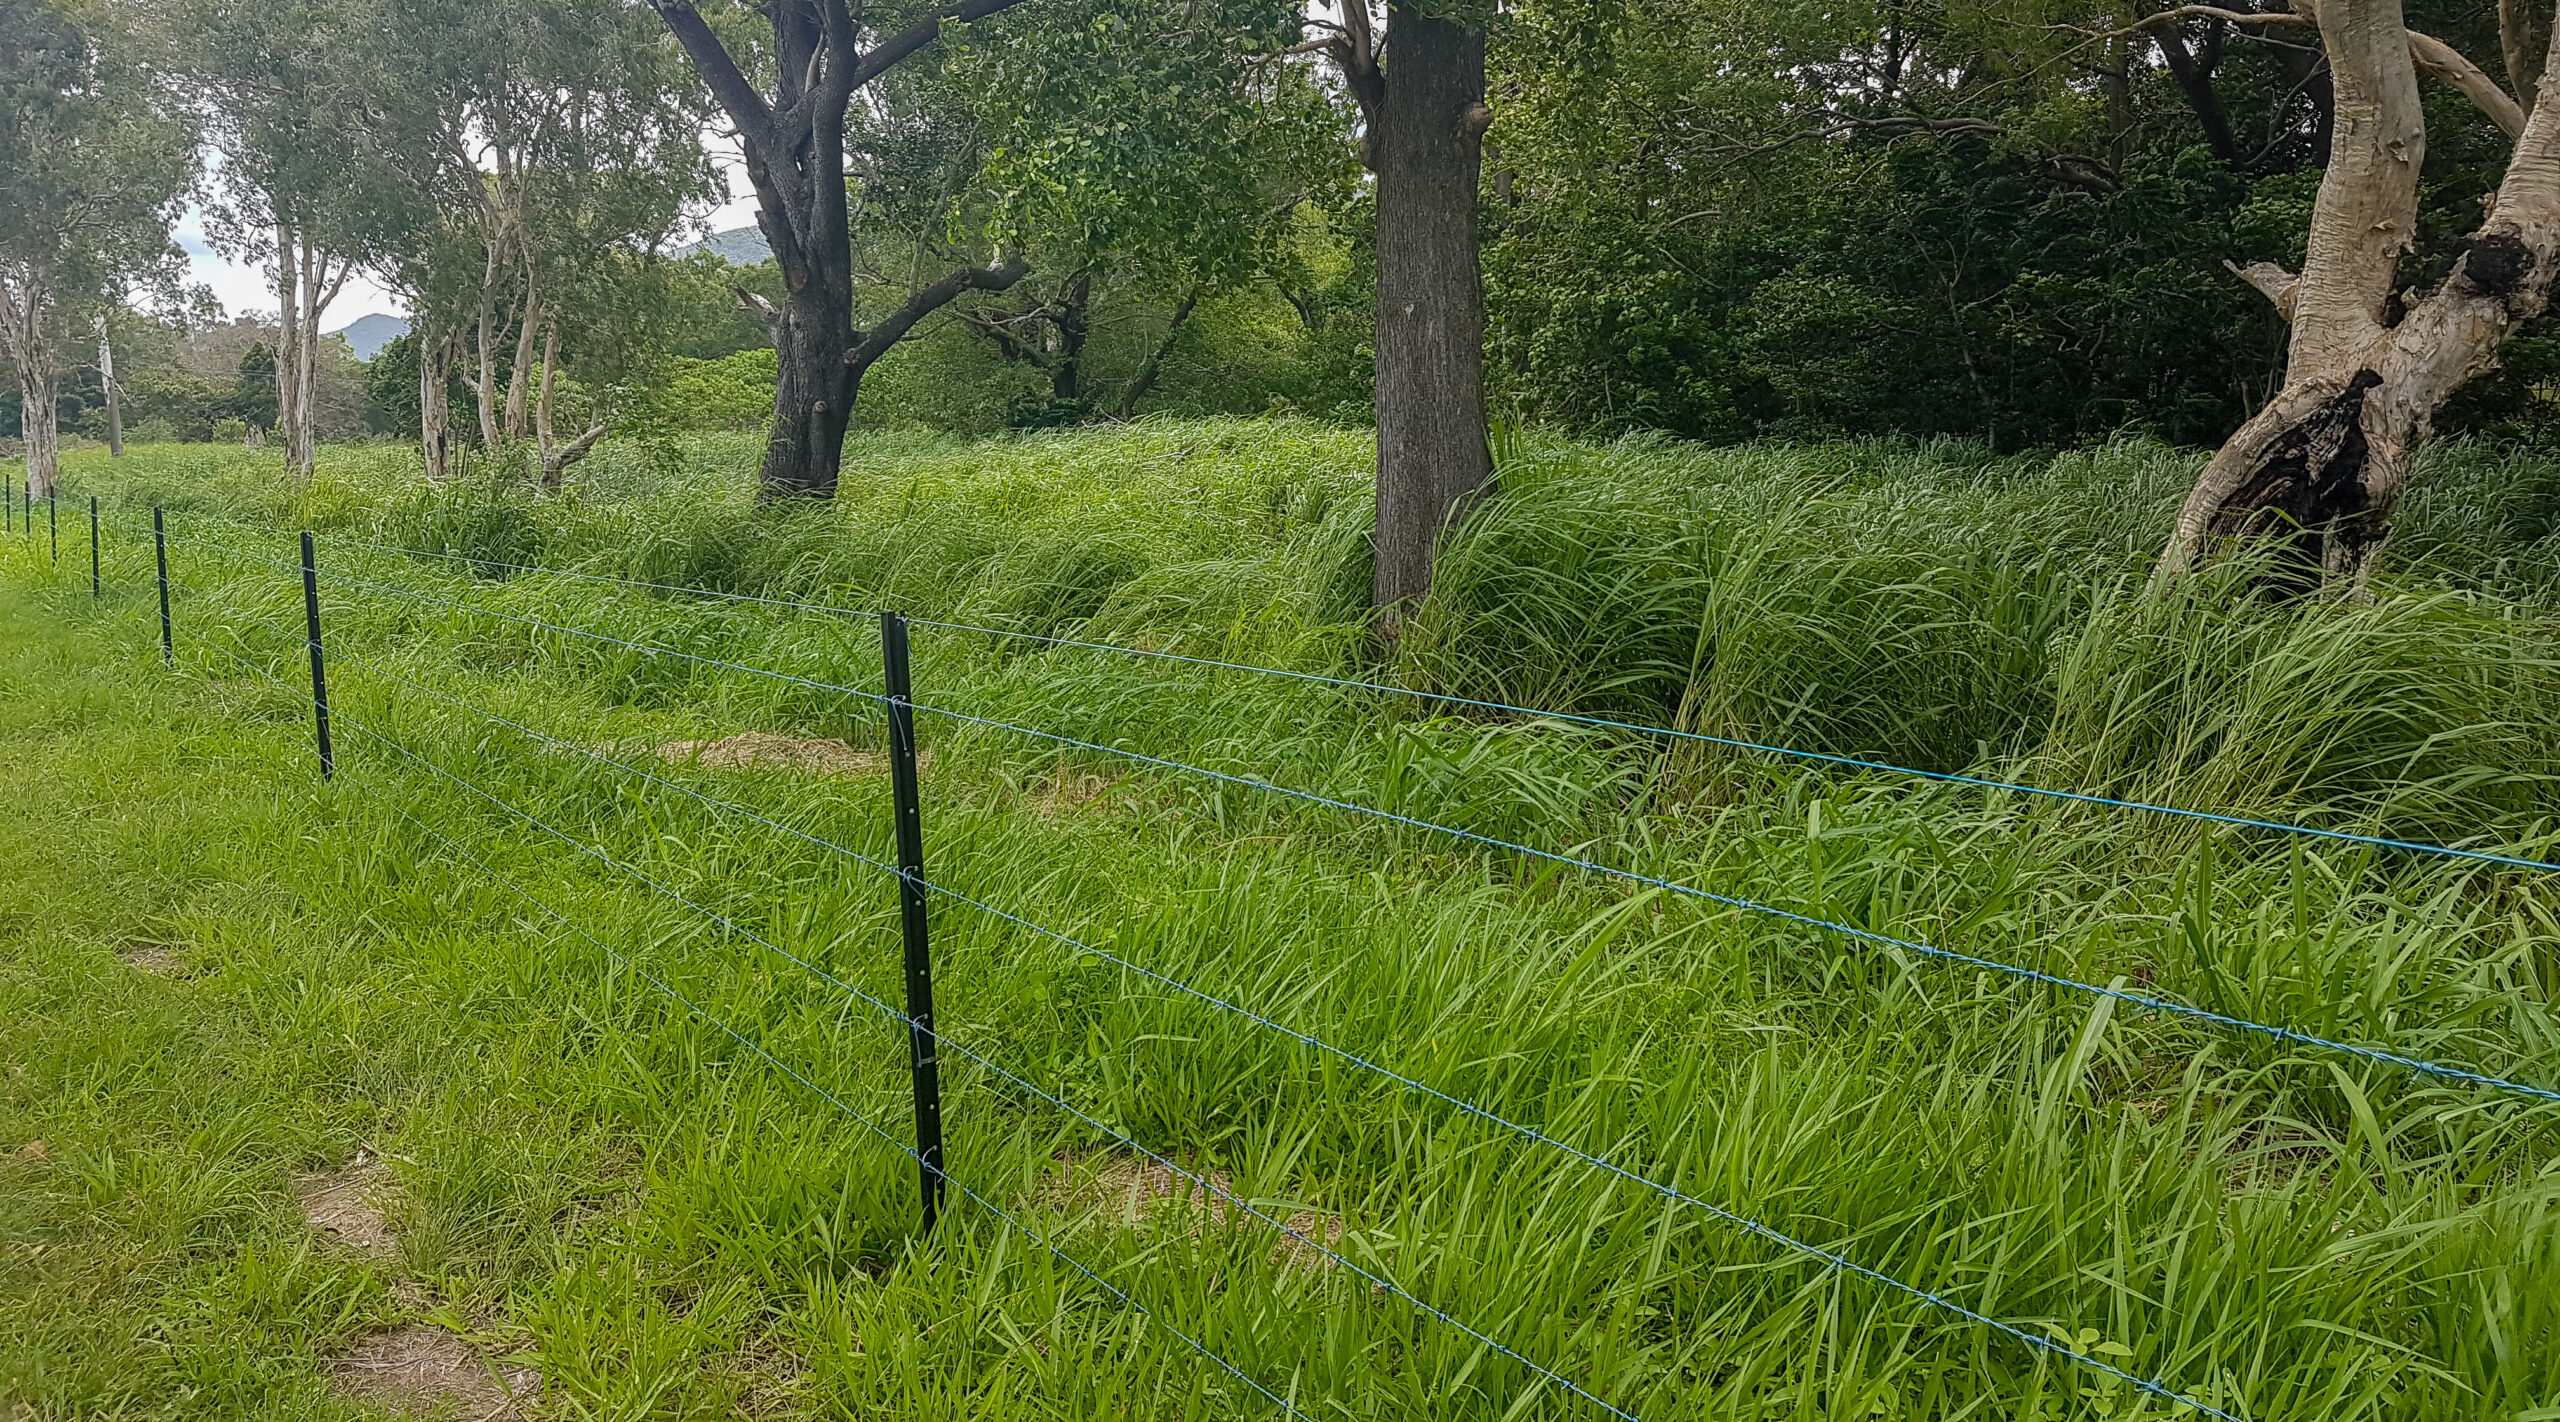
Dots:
{"x": 1130, "y": 1190}
{"x": 423, "y": 1370}
{"x": 346, "y": 1206}
{"x": 158, "y": 959}
{"x": 816, "y": 754}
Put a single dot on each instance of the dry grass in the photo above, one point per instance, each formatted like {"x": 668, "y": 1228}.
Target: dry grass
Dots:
{"x": 764, "y": 749}
{"x": 1130, "y": 1191}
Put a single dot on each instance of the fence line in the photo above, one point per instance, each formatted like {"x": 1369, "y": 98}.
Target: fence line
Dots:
{"x": 1206, "y": 1185}
{"x": 1754, "y": 1228}
{"x": 866, "y": 1122}
{"x": 2370, "y": 841}
{"x": 2145, "y": 1001}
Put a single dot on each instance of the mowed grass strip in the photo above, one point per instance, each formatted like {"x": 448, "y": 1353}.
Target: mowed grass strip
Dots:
{"x": 594, "y": 1186}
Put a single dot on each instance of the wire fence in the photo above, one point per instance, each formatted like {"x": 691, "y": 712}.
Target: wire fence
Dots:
{"x": 930, "y": 1041}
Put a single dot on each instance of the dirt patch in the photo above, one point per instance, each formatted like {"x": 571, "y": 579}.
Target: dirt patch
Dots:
{"x": 346, "y": 1205}
{"x": 1066, "y": 793}
{"x": 161, "y": 960}
{"x": 420, "y": 1369}
{"x": 816, "y": 754}
{"x": 1131, "y": 1190}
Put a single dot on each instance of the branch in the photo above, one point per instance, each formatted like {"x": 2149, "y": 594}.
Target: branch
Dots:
{"x": 2272, "y": 281}
{"x": 758, "y": 306}
{"x": 2442, "y": 61}
{"x": 746, "y": 108}
{"x": 870, "y": 345}
{"x": 887, "y": 53}
{"x": 2438, "y": 59}
{"x": 2521, "y": 43}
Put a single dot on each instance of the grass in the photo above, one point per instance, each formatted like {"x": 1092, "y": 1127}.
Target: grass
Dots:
{"x": 598, "y": 1181}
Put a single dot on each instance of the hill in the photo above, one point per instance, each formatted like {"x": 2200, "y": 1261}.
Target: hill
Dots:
{"x": 368, "y": 334}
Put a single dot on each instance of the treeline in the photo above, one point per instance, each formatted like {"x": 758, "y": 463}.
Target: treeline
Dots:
{"x": 1717, "y": 219}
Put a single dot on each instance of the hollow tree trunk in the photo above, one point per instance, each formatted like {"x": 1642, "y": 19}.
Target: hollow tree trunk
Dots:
{"x": 1426, "y": 142}
{"x": 2315, "y": 475}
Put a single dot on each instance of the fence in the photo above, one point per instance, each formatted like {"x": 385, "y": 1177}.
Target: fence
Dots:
{"x": 917, "y": 892}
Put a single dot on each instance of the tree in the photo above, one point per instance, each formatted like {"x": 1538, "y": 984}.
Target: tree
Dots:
{"x": 93, "y": 155}
{"x": 1422, "y": 102}
{"x": 286, "y": 91}
{"x": 1142, "y": 155}
{"x": 2369, "y": 366}
{"x": 548, "y": 149}
{"x": 793, "y": 141}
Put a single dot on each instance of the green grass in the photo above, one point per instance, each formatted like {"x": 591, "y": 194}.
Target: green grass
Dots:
{"x": 601, "y": 1182}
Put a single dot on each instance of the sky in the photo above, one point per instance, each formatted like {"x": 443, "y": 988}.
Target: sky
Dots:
{"x": 243, "y": 289}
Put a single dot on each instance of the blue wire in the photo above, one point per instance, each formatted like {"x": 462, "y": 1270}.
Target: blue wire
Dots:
{"x": 1121, "y": 1294}
{"x": 2152, "y": 1386}
{"x": 1603, "y": 722}
{"x": 720, "y": 804}
{"x": 2283, "y": 1034}
{"x": 1749, "y": 1226}
{"x": 2241, "y": 821}
{"x": 2141, "y": 1000}
{"x": 341, "y": 538}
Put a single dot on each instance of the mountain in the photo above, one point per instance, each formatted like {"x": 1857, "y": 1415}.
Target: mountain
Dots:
{"x": 367, "y": 335}
{"x": 739, "y": 246}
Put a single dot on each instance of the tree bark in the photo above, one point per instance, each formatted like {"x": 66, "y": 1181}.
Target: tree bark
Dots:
{"x": 435, "y": 401}
{"x": 557, "y": 457}
{"x": 115, "y": 400}
{"x": 1426, "y": 142}
{"x": 37, "y": 423}
{"x": 2315, "y": 475}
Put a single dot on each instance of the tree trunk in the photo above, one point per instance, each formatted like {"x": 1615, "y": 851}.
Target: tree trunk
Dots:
{"x": 793, "y": 146}
{"x": 2313, "y": 477}
{"x": 1145, "y": 379}
{"x": 37, "y": 423}
{"x": 289, "y": 286}
{"x": 435, "y": 401}
{"x": 484, "y": 388}
{"x": 1426, "y": 143}
{"x": 115, "y": 401}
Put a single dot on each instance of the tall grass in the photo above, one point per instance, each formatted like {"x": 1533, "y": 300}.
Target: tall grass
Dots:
{"x": 2278, "y": 1233}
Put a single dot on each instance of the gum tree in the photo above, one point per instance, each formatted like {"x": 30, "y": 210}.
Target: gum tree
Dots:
{"x": 816, "y": 56}
{"x": 1422, "y": 103}
{"x": 93, "y": 158}
{"x": 2369, "y": 364}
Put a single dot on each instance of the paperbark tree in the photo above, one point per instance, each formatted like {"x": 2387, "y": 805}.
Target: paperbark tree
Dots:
{"x": 284, "y": 83}
{"x": 93, "y": 155}
{"x": 792, "y": 141}
{"x": 1422, "y": 100}
{"x": 2317, "y": 472}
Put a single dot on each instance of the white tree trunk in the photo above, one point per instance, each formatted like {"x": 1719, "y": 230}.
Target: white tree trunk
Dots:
{"x": 27, "y": 342}
{"x": 115, "y": 401}
{"x": 2317, "y": 472}
{"x": 435, "y": 401}
{"x": 288, "y": 334}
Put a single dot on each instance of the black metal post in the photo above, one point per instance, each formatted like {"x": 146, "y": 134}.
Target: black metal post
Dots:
{"x": 160, "y": 551}
{"x": 911, "y": 905}
{"x": 93, "y": 547}
{"x": 9, "y": 507}
{"x": 319, "y": 678}
{"x": 53, "y": 524}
